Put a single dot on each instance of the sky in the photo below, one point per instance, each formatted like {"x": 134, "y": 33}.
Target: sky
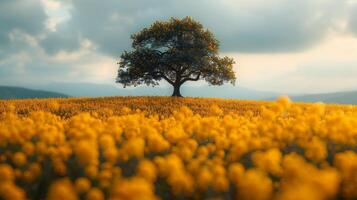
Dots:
{"x": 291, "y": 46}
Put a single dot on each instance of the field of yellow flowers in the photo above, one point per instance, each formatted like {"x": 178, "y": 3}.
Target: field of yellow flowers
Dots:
{"x": 143, "y": 148}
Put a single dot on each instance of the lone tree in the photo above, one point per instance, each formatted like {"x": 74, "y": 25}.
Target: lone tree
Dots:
{"x": 178, "y": 50}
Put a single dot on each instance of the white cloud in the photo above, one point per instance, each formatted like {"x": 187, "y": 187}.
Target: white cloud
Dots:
{"x": 330, "y": 66}
{"x": 57, "y": 12}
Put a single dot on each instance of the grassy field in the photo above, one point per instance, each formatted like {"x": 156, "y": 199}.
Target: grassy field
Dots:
{"x": 176, "y": 148}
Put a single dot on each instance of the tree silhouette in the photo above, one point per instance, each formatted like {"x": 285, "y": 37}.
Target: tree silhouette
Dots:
{"x": 178, "y": 50}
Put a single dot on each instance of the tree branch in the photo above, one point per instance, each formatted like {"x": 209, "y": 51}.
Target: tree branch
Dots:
{"x": 161, "y": 75}
{"x": 190, "y": 73}
{"x": 167, "y": 79}
{"x": 191, "y": 79}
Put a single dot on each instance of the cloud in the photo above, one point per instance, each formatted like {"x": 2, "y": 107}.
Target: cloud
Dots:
{"x": 33, "y": 53}
{"x": 240, "y": 25}
{"x": 330, "y": 66}
{"x": 352, "y": 23}
{"x": 19, "y": 16}
{"x": 270, "y": 26}
{"x": 248, "y": 26}
{"x": 36, "y": 67}
{"x": 63, "y": 39}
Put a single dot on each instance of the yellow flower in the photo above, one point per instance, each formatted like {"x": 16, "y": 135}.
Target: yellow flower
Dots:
{"x": 181, "y": 183}
{"x": 6, "y": 173}
{"x": 86, "y": 152}
{"x": 82, "y": 185}
{"x": 254, "y": 185}
{"x": 9, "y": 191}
{"x": 28, "y": 177}
{"x": 204, "y": 178}
{"x": 147, "y": 170}
{"x": 135, "y": 147}
{"x": 62, "y": 189}
{"x": 235, "y": 171}
{"x": 125, "y": 110}
{"x": 59, "y": 166}
{"x": 316, "y": 150}
{"x": 133, "y": 189}
{"x": 95, "y": 194}
{"x": 35, "y": 169}
{"x": 346, "y": 163}
{"x": 91, "y": 171}
{"x": 220, "y": 184}
{"x": 296, "y": 171}
{"x": 157, "y": 143}
{"x": 104, "y": 178}
{"x": 284, "y": 101}
{"x": 29, "y": 148}
{"x": 106, "y": 141}
{"x": 215, "y": 110}
{"x": 111, "y": 154}
{"x": 19, "y": 159}
{"x": 299, "y": 192}
{"x": 269, "y": 161}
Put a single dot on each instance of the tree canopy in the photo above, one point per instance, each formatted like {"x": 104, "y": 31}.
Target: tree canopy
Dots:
{"x": 177, "y": 51}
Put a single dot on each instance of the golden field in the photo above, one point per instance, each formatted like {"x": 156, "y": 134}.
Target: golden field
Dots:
{"x": 124, "y": 148}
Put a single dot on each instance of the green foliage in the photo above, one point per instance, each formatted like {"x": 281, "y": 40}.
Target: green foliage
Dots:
{"x": 177, "y": 51}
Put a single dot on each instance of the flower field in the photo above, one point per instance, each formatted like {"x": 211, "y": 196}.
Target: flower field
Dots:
{"x": 142, "y": 148}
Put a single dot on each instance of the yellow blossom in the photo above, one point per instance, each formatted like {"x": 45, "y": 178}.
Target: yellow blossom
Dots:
{"x": 132, "y": 189}
{"x": 9, "y": 191}
{"x": 147, "y": 170}
{"x": 6, "y": 173}
{"x": 82, "y": 185}
{"x": 95, "y": 194}
{"x": 19, "y": 159}
{"x": 254, "y": 185}
{"x": 62, "y": 189}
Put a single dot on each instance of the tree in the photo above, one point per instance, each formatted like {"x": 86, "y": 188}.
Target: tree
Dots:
{"x": 178, "y": 50}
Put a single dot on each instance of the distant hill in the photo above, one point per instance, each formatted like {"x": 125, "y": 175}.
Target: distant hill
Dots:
{"x": 225, "y": 91}
{"x": 9, "y": 92}
{"x": 336, "y": 97}
{"x": 82, "y": 89}
{"x": 96, "y": 90}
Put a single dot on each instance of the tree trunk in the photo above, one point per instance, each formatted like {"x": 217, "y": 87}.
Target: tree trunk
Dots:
{"x": 176, "y": 92}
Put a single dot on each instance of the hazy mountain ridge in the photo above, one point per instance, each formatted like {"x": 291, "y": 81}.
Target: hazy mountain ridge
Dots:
{"x": 10, "y": 92}
{"x": 349, "y": 97}
{"x": 224, "y": 91}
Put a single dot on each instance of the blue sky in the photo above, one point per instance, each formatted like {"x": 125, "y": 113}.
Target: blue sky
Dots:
{"x": 279, "y": 45}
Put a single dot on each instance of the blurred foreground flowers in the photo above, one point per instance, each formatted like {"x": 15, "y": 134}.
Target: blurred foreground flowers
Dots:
{"x": 267, "y": 150}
